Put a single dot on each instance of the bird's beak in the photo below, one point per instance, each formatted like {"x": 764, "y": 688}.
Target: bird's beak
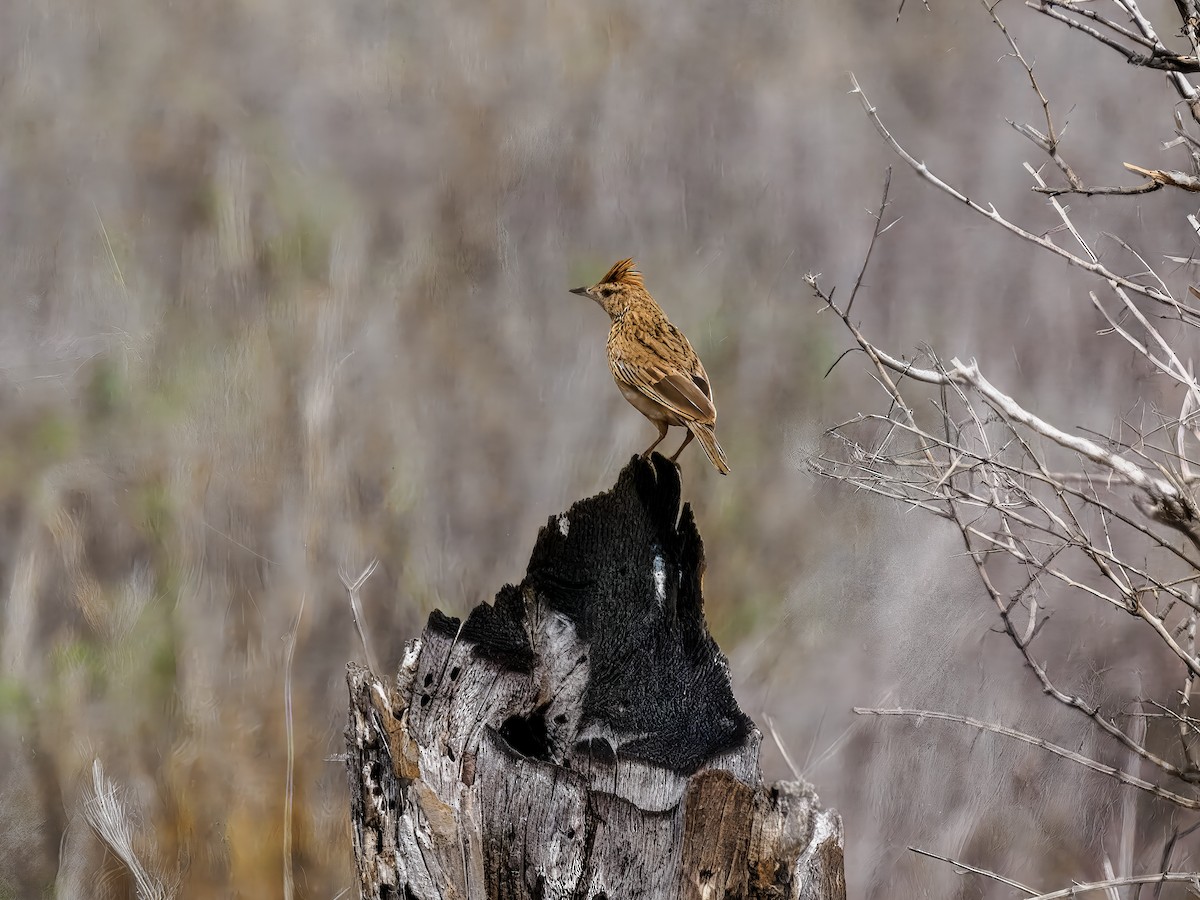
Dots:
{"x": 581, "y": 291}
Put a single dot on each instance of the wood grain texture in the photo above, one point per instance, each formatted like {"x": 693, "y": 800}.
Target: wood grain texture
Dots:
{"x": 578, "y": 738}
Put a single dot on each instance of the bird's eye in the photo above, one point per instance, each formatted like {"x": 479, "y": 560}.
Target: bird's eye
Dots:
{"x": 606, "y": 292}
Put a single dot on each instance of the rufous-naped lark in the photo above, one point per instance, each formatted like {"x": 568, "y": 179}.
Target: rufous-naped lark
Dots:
{"x": 653, "y": 364}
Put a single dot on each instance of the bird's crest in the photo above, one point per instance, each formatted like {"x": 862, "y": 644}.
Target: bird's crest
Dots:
{"x": 623, "y": 272}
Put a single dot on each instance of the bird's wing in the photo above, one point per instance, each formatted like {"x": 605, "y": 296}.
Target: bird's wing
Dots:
{"x": 668, "y": 371}
{"x": 687, "y": 396}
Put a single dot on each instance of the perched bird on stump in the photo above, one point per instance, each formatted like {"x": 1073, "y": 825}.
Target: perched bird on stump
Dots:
{"x": 653, "y": 364}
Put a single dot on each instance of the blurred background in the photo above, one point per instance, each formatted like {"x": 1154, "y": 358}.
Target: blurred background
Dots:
{"x": 283, "y": 288}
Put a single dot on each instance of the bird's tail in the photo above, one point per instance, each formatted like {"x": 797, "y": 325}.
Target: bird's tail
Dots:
{"x": 708, "y": 440}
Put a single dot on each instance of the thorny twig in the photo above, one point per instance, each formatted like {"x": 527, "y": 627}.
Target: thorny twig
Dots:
{"x": 1190, "y": 803}
{"x": 987, "y": 465}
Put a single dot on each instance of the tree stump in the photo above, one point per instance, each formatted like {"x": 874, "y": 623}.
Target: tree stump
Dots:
{"x": 579, "y": 737}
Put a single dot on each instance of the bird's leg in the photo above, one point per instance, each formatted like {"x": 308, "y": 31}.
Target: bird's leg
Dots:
{"x": 662, "y": 433}
{"x": 687, "y": 440}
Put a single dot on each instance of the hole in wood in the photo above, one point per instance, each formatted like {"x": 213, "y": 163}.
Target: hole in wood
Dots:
{"x": 454, "y": 673}
{"x": 528, "y": 734}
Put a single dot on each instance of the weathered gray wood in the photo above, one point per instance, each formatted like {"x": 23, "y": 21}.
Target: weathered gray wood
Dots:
{"x": 579, "y": 738}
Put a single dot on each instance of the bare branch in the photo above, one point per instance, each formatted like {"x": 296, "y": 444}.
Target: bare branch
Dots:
{"x": 1174, "y": 367}
{"x": 879, "y": 229}
{"x": 976, "y": 870}
{"x": 1119, "y": 774}
{"x": 1187, "y": 726}
{"x": 1048, "y": 141}
{"x": 1190, "y": 314}
{"x": 1157, "y": 57}
{"x": 1076, "y": 890}
{"x": 1147, "y": 188}
{"x": 1168, "y": 177}
{"x": 1051, "y": 8}
{"x": 991, "y": 465}
{"x": 1158, "y": 491}
{"x": 1189, "y": 15}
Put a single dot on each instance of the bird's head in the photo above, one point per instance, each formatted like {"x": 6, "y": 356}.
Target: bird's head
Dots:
{"x": 617, "y": 289}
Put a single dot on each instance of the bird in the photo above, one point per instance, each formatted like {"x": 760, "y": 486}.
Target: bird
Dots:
{"x": 653, "y": 364}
